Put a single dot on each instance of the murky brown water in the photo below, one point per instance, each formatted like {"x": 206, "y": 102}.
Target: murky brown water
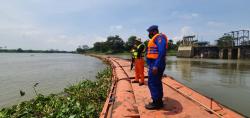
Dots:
{"x": 227, "y": 81}
{"x": 53, "y": 72}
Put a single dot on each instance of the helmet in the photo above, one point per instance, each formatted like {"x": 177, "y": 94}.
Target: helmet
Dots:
{"x": 153, "y": 27}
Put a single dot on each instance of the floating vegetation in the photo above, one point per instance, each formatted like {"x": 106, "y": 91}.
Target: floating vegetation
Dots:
{"x": 84, "y": 99}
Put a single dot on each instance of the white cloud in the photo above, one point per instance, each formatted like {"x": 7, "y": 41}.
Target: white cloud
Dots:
{"x": 215, "y": 24}
{"x": 176, "y": 38}
{"x": 20, "y": 28}
{"x": 75, "y": 41}
{"x": 187, "y": 30}
{"x": 99, "y": 38}
{"x": 189, "y": 16}
{"x": 184, "y": 31}
{"x": 194, "y": 14}
{"x": 116, "y": 27}
{"x": 90, "y": 40}
{"x": 184, "y": 16}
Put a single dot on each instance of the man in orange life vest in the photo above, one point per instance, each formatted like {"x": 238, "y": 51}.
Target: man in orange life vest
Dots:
{"x": 139, "y": 62}
{"x": 156, "y": 60}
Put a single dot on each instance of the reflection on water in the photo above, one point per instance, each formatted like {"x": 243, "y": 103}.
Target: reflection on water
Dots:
{"x": 228, "y": 72}
{"x": 53, "y": 72}
{"x": 227, "y": 81}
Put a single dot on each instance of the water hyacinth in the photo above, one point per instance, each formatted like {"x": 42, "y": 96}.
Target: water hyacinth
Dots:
{"x": 85, "y": 99}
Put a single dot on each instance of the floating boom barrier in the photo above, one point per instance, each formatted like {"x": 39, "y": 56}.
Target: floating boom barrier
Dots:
{"x": 127, "y": 100}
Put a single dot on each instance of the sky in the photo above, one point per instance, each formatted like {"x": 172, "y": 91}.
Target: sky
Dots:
{"x": 66, "y": 24}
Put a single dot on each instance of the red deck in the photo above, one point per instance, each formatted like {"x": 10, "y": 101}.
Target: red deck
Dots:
{"x": 128, "y": 100}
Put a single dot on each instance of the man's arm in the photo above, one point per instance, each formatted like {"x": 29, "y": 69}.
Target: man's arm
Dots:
{"x": 132, "y": 63}
{"x": 140, "y": 51}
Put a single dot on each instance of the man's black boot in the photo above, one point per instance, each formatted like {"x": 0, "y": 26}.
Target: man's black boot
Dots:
{"x": 156, "y": 104}
{"x": 159, "y": 103}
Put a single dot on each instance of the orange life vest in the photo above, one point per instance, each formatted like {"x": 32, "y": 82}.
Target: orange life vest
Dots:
{"x": 152, "y": 51}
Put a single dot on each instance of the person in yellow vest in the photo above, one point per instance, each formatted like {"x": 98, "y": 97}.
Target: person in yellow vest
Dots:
{"x": 132, "y": 51}
{"x": 139, "y": 62}
{"x": 156, "y": 60}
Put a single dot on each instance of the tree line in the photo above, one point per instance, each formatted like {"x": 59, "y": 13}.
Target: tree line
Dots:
{"x": 115, "y": 44}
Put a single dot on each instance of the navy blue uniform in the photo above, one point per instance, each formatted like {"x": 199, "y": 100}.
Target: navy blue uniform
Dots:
{"x": 154, "y": 82}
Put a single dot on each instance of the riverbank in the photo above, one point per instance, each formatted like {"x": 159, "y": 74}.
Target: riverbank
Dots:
{"x": 84, "y": 99}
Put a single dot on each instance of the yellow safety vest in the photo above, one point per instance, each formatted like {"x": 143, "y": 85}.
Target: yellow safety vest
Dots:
{"x": 136, "y": 53}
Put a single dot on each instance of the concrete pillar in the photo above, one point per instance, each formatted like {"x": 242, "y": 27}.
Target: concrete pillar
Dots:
{"x": 192, "y": 52}
{"x": 238, "y": 56}
{"x": 221, "y": 54}
{"x": 230, "y": 53}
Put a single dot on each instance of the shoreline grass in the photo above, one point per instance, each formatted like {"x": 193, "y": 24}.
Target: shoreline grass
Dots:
{"x": 84, "y": 99}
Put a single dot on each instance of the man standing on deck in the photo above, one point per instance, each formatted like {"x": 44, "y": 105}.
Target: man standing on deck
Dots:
{"x": 156, "y": 60}
{"x": 139, "y": 62}
{"x": 132, "y": 57}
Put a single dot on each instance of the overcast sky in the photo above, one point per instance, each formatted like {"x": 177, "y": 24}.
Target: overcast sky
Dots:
{"x": 65, "y": 24}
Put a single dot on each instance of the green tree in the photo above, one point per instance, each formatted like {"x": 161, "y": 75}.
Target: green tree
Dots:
{"x": 101, "y": 46}
{"x": 170, "y": 44}
{"x": 115, "y": 43}
{"x": 129, "y": 44}
{"x": 85, "y": 47}
{"x": 19, "y": 50}
{"x": 82, "y": 49}
{"x": 225, "y": 41}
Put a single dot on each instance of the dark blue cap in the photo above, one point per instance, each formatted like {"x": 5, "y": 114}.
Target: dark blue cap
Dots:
{"x": 153, "y": 27}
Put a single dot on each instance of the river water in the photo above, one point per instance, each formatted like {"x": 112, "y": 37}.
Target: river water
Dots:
{"x": 227, "y": 81}
{"x": 53, "y": 72}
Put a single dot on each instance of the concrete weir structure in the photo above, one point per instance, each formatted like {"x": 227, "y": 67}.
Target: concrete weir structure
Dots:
{"x": 190, "y": 48}
{"x": 239, "y": 46}
{"x": 242, "y": 52}
{"x": 233, "y": 45}
{"x": 185, "y": 51}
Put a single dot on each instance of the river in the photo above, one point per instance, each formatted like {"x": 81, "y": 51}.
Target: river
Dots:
{"x": 53, "y": 72}
{"x": 227, "y": 81}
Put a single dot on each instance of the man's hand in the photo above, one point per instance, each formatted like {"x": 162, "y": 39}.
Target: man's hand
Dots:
{"x": 155, "y": 70}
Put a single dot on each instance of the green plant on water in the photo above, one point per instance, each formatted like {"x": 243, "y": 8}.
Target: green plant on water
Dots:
{"x": 83, "y": 100}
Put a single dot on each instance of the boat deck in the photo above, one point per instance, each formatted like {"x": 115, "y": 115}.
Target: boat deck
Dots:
{"x": 128, "y": 99}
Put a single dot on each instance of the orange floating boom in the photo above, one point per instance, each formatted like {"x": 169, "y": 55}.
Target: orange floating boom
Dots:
{"x": 127, "y": 100}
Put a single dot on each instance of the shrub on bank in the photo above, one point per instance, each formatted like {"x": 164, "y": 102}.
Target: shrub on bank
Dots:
{"x": 84, "y": 99}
